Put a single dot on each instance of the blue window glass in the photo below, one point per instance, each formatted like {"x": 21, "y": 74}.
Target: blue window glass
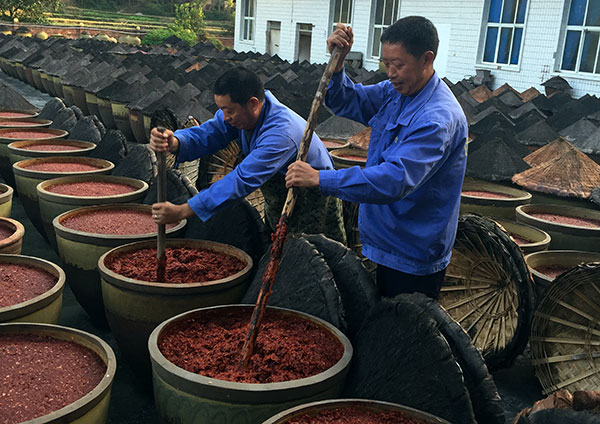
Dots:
{"x": 593, "y": 14}
{"x": 577, "y": 12}
{"x": 490, "y": 44}
{"x": 495, "y": 9}
{"x": 508, "y": 14}
{"x": 571, "y": 49}
{"x": 514, "y": 57}
{"x": 588, "y": 53}
{"x": 504, "y": 50}
{"x": 521, "y": 13}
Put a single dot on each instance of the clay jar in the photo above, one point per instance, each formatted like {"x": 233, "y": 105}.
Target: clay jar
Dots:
{"x": 28, "y": 175}
{"x": 528, "y": 238}
{"x": 24, "y": 123}
{"x": 53, "y": 202}
{"x": 578, "y": 230}
{"x": 346, "y": 158}
{"x": 78, "y": 370}
{"x": 490, "y": 199}
{"x": 6, "y": 195}
{"x": 80, "y": 250}
{"x": 10, "y": 135}
{"x": 7, "y": 114}
{"x": 354, "y": 411}
{"x": 11, "y": 236}
{"x": 184, "y": 396}
{"x": 37, "y": 301}
{"x": 135, "y": 307}
{"x": 545, "y": 265}
{"x": 21, "y": 150}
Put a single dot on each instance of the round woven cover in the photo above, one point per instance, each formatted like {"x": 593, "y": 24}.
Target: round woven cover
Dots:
{"x": 488, "y": 290}
{"x": 565, "y": 332}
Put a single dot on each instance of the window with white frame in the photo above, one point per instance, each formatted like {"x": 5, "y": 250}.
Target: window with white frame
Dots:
{"x": 386, "y": 13}
{"x": 248, "y": 14}
{"x": 342, "y": 12}
{"x": 504, "y": 31}
{"x": 580, "y": 53}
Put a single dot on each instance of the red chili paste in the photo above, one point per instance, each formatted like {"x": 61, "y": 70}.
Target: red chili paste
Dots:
{"x": 331, "y": 143}
{"x": 19, "y": 283}
{"x": 61, "y": 167}
{"x": 40, "y": 375}
{"x": 6, "y": 230}
{"x": 568, "y": 220}
{"x": 14, "y": 115}
{"x": 16, "y": 123}
{"x": 520, "y": 240}
{"x": 184, "y": 265}
{"x": 287, "y": 348}
{"x": 353, "y": 415}
{"x": 552, "y": 271}
{"x": 91, "y": 189}
{"x": 49, "y": 147}
{"x": 112, "y": 221}
{"x": 26, "y": 135}
{"x": 354, "y": 157}
{"x": 487, "y": 194}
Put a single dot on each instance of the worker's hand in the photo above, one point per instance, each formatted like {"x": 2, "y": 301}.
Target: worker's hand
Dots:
{"x": 342, "y": 37}
{"x": 168, "y": 213}
{"x": 163, "y": 141}
{"x": 301, "y": 174}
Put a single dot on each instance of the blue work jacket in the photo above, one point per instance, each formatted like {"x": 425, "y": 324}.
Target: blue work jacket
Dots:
{"x": 273, "y": 146}
{"x": 409, "y": 191}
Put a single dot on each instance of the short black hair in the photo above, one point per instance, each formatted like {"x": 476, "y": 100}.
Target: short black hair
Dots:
{"x": 241, "y": 84}
{"x": 416, "y": 33}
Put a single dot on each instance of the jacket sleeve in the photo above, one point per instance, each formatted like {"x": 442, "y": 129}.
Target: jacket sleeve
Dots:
{"x": 354, "y": 101}
{"x": 215, "y": 134}
{"x": 407, "y": 164}
{"x": 272, "y": 153}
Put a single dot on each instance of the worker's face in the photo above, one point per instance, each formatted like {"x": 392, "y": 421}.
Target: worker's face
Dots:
{"x": 407, "y": 73}
{"x": 243, "y": 117}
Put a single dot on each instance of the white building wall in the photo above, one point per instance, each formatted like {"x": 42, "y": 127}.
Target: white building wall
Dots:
{"x": 460, "y": 20}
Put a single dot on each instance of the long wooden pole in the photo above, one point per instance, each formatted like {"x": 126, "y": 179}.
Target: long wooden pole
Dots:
{"x": 161, "y": 196}
{"x": 281, "y": 232}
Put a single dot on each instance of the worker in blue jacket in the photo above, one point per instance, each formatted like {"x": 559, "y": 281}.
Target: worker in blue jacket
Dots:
{"x": 409, "y": 191}
{"x": 269, "y": 135}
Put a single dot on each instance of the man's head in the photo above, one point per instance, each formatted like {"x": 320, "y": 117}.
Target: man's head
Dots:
{"x": 240, "y": 94}
{"x": 408, "y": 49}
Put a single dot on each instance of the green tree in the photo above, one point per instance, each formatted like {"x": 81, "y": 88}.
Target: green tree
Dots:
{"x": 190, "y": 16}
{"x": 28, "y": 10}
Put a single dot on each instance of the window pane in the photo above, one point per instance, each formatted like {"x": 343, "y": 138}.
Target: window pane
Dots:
{"x": 395, "y": 16}
{"x": 246, "y": 7}
{"x": 379, "y": 12}
{"x": 376, "y": 42}
{"x": 521, "y": 13}
{"x": 571, "y": 48}
{"x": 251, "y": 7}
{"x": 588, "y": 54}
{"x": 490, "y": 44}
{"x": 337, "y": 12}
{"x": 516, "y": 46}
{"x": 576, "y": 12}
{"x": 593, "y": 14}
{"x": 349, "y": 11}
{"x": 510, "y": 8}
{"x": 389, "y": 5}
{"x": 344, "y": 16}
{"x": 245, "y": 32}
{"x": 251, "y": 29}
{"x": 495, "y": 9}
{"x": 504, "y": 50}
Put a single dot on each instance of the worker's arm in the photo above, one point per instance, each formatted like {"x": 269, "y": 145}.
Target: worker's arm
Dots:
{"x": 272, "y": 153}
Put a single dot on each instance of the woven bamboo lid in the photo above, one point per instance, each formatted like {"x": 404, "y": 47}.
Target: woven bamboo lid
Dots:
{"x": 549, "y": 152}
{"x": 488, "y": 290}
{"x": 565, "y": 333}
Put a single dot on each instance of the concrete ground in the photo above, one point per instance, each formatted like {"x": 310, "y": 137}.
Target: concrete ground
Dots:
{"x": 131, "y": 400}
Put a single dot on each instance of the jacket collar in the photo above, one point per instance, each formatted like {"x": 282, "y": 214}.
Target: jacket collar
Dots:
{"x": 407, "y": 113}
